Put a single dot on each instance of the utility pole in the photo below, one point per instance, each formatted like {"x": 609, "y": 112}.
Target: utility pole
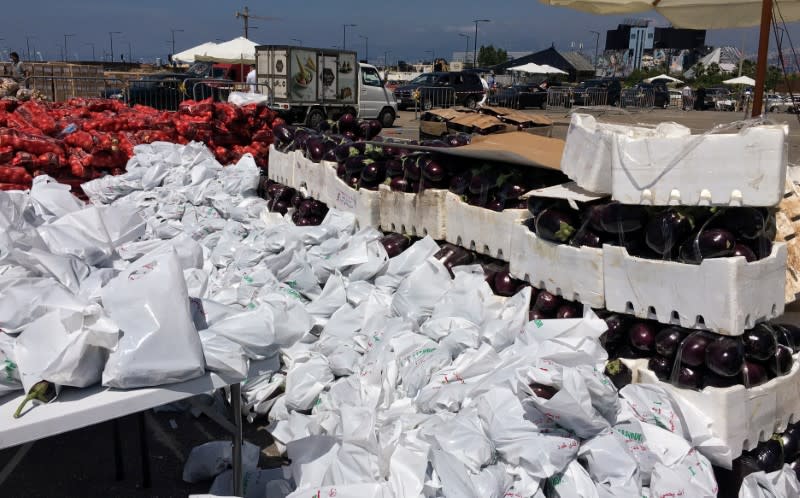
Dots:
{"x": 366, "y": 47}
{"x": 130, "y": 53}
{"x": 475, "y": 53}
{"x": 173, "y": 31}
{"x": 245, "y": 15}
{"x": 596, "y": 47}
{"x": 111, "y": 37}
{"x": 466, "y": 50}
{"x": 92, "y": 44}
{"x": 28, "y": 44}
{"x": 66, "y": 52}
{"x": 386, "y": 64}
{"x": 344, "y": 34}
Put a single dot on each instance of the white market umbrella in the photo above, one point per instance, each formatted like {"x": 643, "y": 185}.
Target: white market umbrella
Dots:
{"x": 741, "y": 80}
{"x": 189, "y": 54}
{"x": 663, "y": 77}
{"x": 695, "y": 14}
{"x": 705, "y": 14}
{"x": 238, "y": 50}
{"x": 548, "y": 69}
{"x": 527, "y": 68}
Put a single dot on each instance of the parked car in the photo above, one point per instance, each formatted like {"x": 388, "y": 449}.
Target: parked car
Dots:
{"x": 777, "y": 103}
{"x": 718, "y": 98}
{"x": 646, "y": 95}
{"x": 519, "y": 97}
{"x": 590, "y": 92}
{"x": 441, "y": 89}
{"x": 166, "y": 91}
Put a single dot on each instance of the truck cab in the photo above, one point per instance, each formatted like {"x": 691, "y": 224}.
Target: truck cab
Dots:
{"x": 309, "y": 85}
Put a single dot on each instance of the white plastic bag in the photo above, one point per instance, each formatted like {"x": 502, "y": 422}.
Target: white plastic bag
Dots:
{"x": 306, "y": 380}
{"x": 224, "y": 356}
{"x": 159, "y": 343}
{"x": 210, "y": 459}
{"x": 258, "y": 483}
{"x": 779, "y": 484}
{"x": 417, "y": 295}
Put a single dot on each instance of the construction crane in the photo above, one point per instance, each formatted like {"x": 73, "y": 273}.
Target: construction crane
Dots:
{"x": 245, "y": 15}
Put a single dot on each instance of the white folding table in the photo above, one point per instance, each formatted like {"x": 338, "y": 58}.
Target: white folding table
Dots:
{"x": 78, "y": 408}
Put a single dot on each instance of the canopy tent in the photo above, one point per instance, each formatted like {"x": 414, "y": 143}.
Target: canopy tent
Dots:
{"x": 663, "y": 77}
{"x": 705, "y": 14}
{"x": 238, "y": 50}
{"x": 741, "y": 80}
{"x": 527, "y": 68}
{"x": 533, "y": 68}
{"x": 548, "y": 69}
{"x": 189, "y": 54}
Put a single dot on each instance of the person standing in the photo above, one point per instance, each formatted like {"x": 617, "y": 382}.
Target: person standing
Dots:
{"x": 19, "y": 72}
{"x": 485, "y": 85}
{"x": 686, "y": 98}
{"x": 251, "y": 79}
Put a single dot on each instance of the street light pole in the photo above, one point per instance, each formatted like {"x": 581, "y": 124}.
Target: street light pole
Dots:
{"x": 111, "y": 37}
{"x": 130, "y": 53}
{"x": 92, "y": 44}
{"x": 596, "y": 46}
{"x": 366, "y": 45}
{"x": 386, "y": 64}
{"x": 173, "y": 39}
{"x": 66, "y": 52}
{"x": 344, "y": 34}
{"x": 28, "y": 44}
{"x": 475, "y": 53}
{"x": 466, "y": 50}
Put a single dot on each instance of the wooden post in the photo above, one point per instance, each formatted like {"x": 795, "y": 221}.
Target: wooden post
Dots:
{"x": 763, "y": 49}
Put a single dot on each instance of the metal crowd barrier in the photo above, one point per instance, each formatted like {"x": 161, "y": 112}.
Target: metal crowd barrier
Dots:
{"x": 61, "y": 88}
{"x": 559, "y": 98}
{"x": 638, "y": 98}
{"x": 596, "y": 96}
{"x": 436, "y": 96}
{"x": 501, "y": 98}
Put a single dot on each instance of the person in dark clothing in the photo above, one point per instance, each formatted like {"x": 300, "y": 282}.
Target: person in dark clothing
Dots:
{"x": 700, "y": 99}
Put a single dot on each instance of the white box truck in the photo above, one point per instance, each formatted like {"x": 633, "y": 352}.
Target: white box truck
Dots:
{"x": 309, "y": 85}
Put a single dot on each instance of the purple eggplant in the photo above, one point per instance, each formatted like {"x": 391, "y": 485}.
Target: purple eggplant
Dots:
{"x": 459, "y": 184}
{"x": 395, "y": 243}
{"x": 568, "y": 310}
{"x": 668, "y": 341}
{"x": 411, "y": 167}
{"x": 341, "y": 170}
{"x": 693, "y": 349}
{"x": 374, "y": 172}
{"x": 283, "y": 134}
{"x": 451, "y": 255}
{"x": 537, "y": 315}
{"x": 511, "y": 190}
{"x": 504, "y": 284}
{"x": 781, "y": 363}
{"x": 742, "y": 222}
{"x": 791, "y": 442}
{"x": 617, "y": 330}
{"x": 547, "y": 302}
{"x": 355, "y": 165}
{"x": 768, "y": 456}
{"x": 297, "y": 199}
{"x": 710, "y": 379}
{"x": 399, "y": 184}
{"x": 432, "y": 171}
{"x": 495, "y": 204}
{"x": 619, "y": 374}
{"x": 759, "y": 343}
{"x": 761, "y": 246}
{"x": 710, "y": 243}
{"x": 347, "y": 123}
{"x": 278, "y": 206}
{"x": 666, "y": 230}
{"x": 754, "y": 374}
{"x": 352, "y": 180}
{"x": 314, "y": 149}
{"x": 660, "y": 366}
{"x": 394, "y": 167}
{"x": 308, "y": 221}
{"x": 787, "y": 334}
{"x": 688, "y": 377}
{"x": 740, "y": 249}
{"x": 543, "y": 391}
{"x": 725, "y": 356}
{"x": 556, "y": 225}
{"x": 642, "y": 336}
{"x": 586, "y": 238}
{"x": 622, "y": 218}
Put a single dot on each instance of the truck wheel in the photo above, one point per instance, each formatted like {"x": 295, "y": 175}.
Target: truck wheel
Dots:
{"x": 315, "y": 117}
{"x": 386, "y": 118}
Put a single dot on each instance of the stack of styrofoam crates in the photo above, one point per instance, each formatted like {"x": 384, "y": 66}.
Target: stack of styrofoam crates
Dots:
{"x": 281, "y": 166}
{"x": 363, "y": 203}
{"x": 420, "y": 214}
{"x": 668, "y": 166}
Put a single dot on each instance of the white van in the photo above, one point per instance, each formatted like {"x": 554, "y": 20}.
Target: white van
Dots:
{"x": 309, "y": 85}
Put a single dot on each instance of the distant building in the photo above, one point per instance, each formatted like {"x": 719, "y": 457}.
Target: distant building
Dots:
{"x": 638, "y": 44}
{"x": 727, "y": 58}
{"x": 577, "y": 65}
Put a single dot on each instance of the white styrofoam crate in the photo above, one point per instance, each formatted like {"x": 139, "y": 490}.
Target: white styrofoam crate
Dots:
{"x": 724, "y": 295}
{"x": 281, "y": 166}
{"x": 363, "y": 203}
{"x": 740, "y": 417}
{"x": 417, "y": 214}
{"x": 670, "y": 166}
{"x": 309, "y": 176}
{"x": 576, "y": 273}
{"x": 479, "y": 229}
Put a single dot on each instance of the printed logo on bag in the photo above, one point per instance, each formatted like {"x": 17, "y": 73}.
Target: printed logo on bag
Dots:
{"x": 143, "y": 271}
{"x": 9, "y": 367}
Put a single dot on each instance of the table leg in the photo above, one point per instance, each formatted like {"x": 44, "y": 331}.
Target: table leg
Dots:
{"x": 119, "y": 470}
{"x": 144, "y": 451}
{"x": 12, "y": 464}
{"x": 236, "y": 409}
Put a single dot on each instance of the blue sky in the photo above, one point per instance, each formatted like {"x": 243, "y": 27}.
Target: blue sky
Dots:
{"x": 408, "y": 28}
